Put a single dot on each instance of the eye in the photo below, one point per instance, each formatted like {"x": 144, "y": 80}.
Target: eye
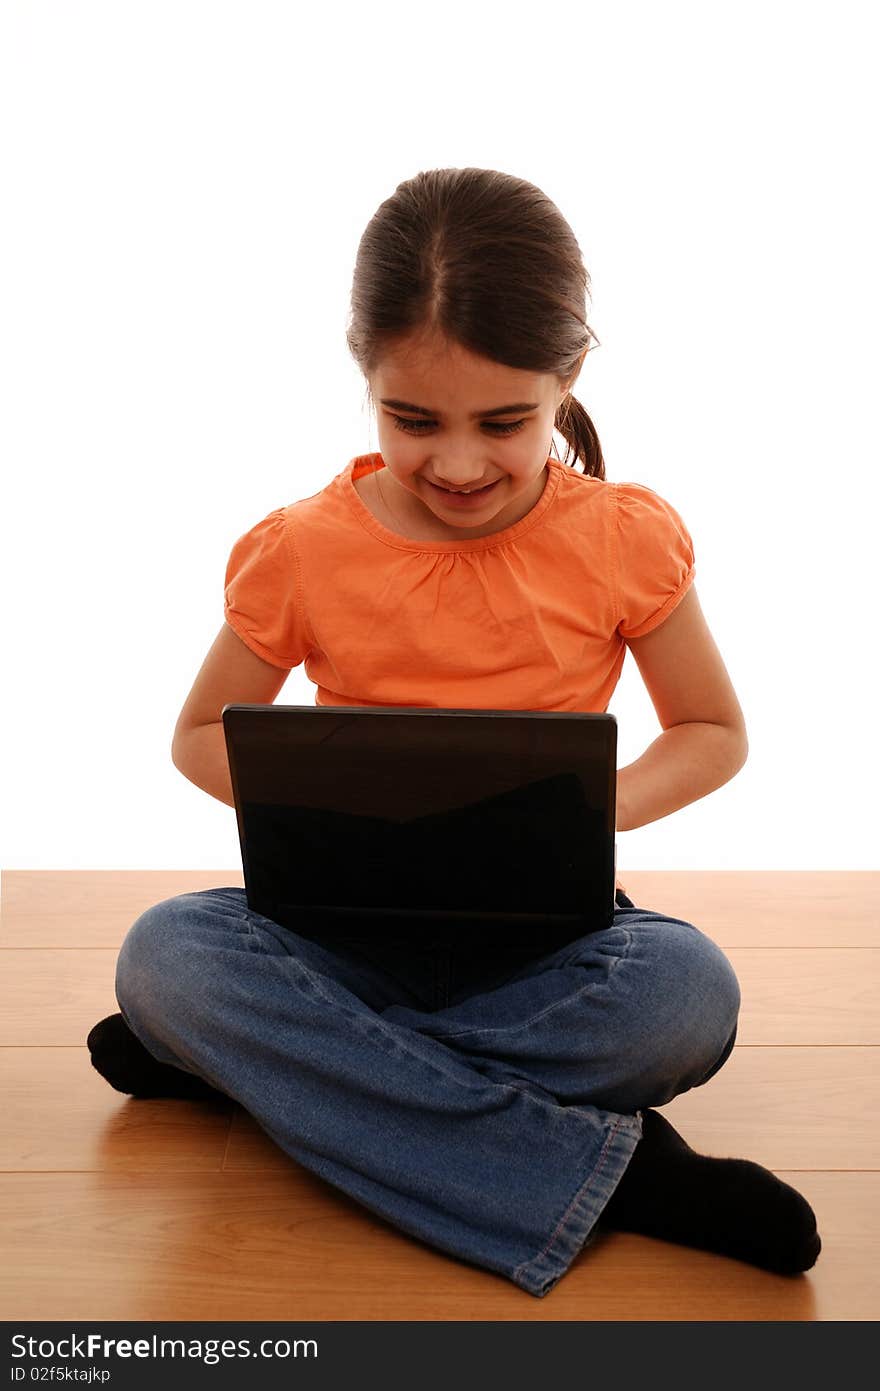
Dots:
{"x": 418, "y": 427}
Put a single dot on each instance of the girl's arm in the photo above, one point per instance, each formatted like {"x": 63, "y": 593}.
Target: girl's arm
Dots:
{"x": 704, "y": 741}
{"x": 230, "y": 674}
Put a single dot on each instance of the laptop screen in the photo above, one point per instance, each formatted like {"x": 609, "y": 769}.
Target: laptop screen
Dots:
{"x": 388, "y": 821}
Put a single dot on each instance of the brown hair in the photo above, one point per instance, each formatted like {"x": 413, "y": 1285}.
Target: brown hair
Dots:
{"x": 489, "y": 262}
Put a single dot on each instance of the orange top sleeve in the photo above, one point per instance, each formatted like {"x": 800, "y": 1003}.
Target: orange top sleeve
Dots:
{"x": 262, "y": 594}
{"x": 655, "y": 559}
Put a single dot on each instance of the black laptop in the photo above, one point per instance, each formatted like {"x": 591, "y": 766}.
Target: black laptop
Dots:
{"x": 479, "y": 827}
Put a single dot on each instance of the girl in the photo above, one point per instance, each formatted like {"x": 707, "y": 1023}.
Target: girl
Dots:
{"x": 500, "y": 1111}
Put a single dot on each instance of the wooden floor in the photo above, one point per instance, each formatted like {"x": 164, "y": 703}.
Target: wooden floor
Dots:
{"x": 119, "y": 1209}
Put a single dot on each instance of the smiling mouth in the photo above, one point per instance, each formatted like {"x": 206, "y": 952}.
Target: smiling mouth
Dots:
{"x": 464, "y": 492}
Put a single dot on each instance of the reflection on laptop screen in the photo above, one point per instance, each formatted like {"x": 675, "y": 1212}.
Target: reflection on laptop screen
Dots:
{"x": 369, "y": 820}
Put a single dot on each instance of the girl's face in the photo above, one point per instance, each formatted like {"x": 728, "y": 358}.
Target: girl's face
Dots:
{"x": 442, "y": 432}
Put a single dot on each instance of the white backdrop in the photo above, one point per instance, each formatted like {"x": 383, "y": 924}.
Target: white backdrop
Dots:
{"x": 184, "y": 187}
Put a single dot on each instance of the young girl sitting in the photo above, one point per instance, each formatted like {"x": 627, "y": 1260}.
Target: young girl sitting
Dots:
{"x": 499, "y": 1110}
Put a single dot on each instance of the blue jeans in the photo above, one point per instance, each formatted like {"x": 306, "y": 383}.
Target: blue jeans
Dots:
{"x": 486, "y": 1108}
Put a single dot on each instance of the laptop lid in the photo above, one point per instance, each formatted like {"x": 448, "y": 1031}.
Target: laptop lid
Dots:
{"x": 489, "y": 827}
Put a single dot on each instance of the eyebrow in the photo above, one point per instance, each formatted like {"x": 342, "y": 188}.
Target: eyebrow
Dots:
{"x": 475, "y": 415}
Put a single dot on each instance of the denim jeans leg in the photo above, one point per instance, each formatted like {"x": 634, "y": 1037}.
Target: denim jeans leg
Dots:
{"x": 491, "y": 1172}
{"x": 614, "y": 1022}
{"x": 620, "y": 1019}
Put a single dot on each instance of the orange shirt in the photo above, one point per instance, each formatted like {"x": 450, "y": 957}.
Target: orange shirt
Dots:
{"x": 534, "y": 617}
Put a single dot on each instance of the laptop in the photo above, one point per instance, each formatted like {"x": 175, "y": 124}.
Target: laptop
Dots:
{"x": 485, "y": 828}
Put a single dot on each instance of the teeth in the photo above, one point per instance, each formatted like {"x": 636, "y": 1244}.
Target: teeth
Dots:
{"x": 465, "y": 492}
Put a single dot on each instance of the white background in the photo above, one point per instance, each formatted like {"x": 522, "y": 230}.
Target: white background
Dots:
{"x": 184, "y": 186}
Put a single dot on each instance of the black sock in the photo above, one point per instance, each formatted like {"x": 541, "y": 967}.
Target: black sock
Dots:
{"x": 127, "y": 1065}
{"x": 731, "y": 1206}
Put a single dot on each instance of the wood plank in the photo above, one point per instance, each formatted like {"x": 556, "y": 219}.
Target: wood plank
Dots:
{"x": 791, "y": 1108}
{"x": 818, "y": 996}
{"x": 52, "y": 996}
{"x": 787, "y": 1108}
{"x": 767, "y": 908}
{"x": 60, "y": 1114}
{"x": 91, "y": 907}
{"x": 152, "y": 1246}
{"x": 737, "y": 908}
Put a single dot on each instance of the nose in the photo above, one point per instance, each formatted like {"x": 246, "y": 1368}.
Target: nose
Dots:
{"x": 460, "y": 479}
